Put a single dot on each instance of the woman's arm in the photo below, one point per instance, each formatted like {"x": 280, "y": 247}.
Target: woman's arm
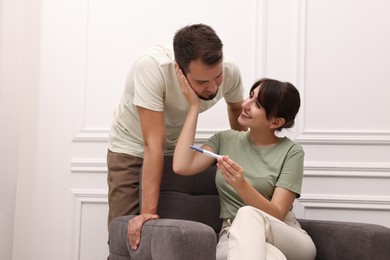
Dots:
{"x": 185, "y": 160}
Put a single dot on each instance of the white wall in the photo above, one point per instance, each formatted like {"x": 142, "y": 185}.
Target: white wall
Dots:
{"x": 11, "y": 65}
{"x": 63, "y": 67}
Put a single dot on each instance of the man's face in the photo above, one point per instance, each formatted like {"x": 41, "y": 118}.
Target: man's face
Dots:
{"x": 205, "y": 79}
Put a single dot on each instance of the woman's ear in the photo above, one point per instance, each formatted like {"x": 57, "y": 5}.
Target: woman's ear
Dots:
{"x": 277, "y": 122}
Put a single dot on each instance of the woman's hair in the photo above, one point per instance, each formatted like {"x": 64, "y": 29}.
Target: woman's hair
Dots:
{"x": 198, "y": 41}
{"x": 278, "y": 99}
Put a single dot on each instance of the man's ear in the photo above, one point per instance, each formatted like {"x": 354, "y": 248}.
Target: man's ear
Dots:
{"x": 277, "y": 122}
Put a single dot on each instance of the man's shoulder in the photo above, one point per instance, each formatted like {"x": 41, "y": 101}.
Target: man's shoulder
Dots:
{"x": 229, "y": 64}
{"x": 160, "y": 53}
{"x": 231, "y": 69}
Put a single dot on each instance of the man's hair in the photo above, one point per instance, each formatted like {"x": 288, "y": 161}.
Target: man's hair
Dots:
{"x": 197, "y": 41}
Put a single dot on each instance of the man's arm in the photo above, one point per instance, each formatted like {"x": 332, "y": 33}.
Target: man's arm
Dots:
{"x": 234, "y": 111}
{"x": 154, "y": 136}
{"x": 153, "y": 131}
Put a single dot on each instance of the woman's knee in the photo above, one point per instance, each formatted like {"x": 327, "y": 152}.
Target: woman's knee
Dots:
{"x": 249, "y": 212}
{"x": 246, "y": 210}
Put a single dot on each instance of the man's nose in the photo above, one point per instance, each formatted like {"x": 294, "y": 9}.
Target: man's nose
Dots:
{"x": 213, "y": 86}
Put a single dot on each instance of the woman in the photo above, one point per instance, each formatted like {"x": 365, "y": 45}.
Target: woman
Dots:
{"x": 258, "y": 177}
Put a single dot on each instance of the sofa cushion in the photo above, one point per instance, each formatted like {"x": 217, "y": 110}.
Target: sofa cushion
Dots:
{"x": 164, "y": 239}
{"x": 192, "y": 198}
{"x": 348, "y": 240}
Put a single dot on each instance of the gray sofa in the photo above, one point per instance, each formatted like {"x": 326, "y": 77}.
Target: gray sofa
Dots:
{"x": 189, "y": 224}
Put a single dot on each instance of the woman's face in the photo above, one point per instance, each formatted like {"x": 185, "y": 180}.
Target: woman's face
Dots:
{"x": 253, "y": 114}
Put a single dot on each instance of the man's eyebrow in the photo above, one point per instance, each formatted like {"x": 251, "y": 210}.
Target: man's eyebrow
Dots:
{"x": 219, "y": 74}
{"x": 203, "y": 81}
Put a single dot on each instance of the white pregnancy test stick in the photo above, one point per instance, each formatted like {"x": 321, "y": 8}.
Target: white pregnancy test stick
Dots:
{"x": 208, "y": 153}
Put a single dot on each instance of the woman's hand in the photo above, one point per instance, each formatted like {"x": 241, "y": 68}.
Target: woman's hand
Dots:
{"x": 186, "y": 88}
{"x": 231, "y": 171}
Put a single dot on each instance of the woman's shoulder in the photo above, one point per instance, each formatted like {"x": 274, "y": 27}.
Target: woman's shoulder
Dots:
{"x": 290, "y": 144}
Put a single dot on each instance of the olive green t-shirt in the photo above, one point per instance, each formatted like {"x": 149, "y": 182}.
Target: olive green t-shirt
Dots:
{"x": 264, "y": 167}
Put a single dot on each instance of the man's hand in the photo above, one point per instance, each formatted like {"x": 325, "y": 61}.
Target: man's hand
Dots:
{"x": 134, "y": 227}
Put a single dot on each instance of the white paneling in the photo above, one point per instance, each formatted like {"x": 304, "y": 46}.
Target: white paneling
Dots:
{"x": 344, "y": 138}
{"x": 11, "y": 59}
{"x": 355, "y": 192}
{"x": 89, "y": 234}
{"x": 343, "y": 97}
{"x": 92, "y": 135}
{"x": 368, "y": 209}
{"x": 88, "y": 165}
{"x": 279, "y": 38}
{"x": 353, "y": 46}
{"x": 89, "y": 173}
{"x": 351, "y": 155}
{"x": 107, "y": 50}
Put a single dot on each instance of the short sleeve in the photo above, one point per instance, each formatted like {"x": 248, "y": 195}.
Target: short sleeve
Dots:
{"x": 214, "y": 142}
{"x": 149, "y": 84}
{"x": 233, "y": 82}
{"x": 292, "y": 172}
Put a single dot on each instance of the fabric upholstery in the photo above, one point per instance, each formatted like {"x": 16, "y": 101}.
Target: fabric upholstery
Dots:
{"x": 164, "y": 239}
{"x": 189, "y": 197}
{"x": 347, "y": 240}
{"x": 189, "y": 224}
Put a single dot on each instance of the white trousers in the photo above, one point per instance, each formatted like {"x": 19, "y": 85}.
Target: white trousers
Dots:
{"x": 256, "y": 235}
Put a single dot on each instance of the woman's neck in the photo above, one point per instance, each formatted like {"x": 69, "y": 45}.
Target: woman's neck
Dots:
{"x": 263, "y": 139}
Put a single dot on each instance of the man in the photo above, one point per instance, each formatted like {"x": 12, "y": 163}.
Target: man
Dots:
{"x": 152, "y": 111}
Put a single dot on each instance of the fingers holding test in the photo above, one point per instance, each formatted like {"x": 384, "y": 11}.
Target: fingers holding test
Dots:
{"x": 231, "y": 171}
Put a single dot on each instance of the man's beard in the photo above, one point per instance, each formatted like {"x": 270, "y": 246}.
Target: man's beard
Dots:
{"x": 209, "y": 97}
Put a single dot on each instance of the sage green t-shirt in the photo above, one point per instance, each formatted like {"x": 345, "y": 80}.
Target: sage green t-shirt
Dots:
{"x": 264, "y": 167}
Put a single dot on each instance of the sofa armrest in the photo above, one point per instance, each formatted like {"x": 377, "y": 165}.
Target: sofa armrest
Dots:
{"x": 348, "y": 240}
{"x": 163, "y": 239}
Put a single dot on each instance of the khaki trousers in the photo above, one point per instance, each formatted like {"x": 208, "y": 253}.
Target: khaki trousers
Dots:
{"x": 123, "y": 184}
{"x": 255, "y": 235}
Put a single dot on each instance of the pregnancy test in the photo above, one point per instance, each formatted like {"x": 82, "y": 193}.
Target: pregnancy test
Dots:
{"x": 208, "y": 153}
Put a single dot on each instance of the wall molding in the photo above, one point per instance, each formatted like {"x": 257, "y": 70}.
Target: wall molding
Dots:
{"x": 318, "y": 201}
{"x": 312, "y": 169}
{"x": 88, "y": 165}
{"x": 82, "y": 133}
{"x": 80, "y": 198}
{"x": 99, "y": 135}
{"x": 92, "y": 135}
{"x": 342, "y": 138}
{"x": 347, "y": 170}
